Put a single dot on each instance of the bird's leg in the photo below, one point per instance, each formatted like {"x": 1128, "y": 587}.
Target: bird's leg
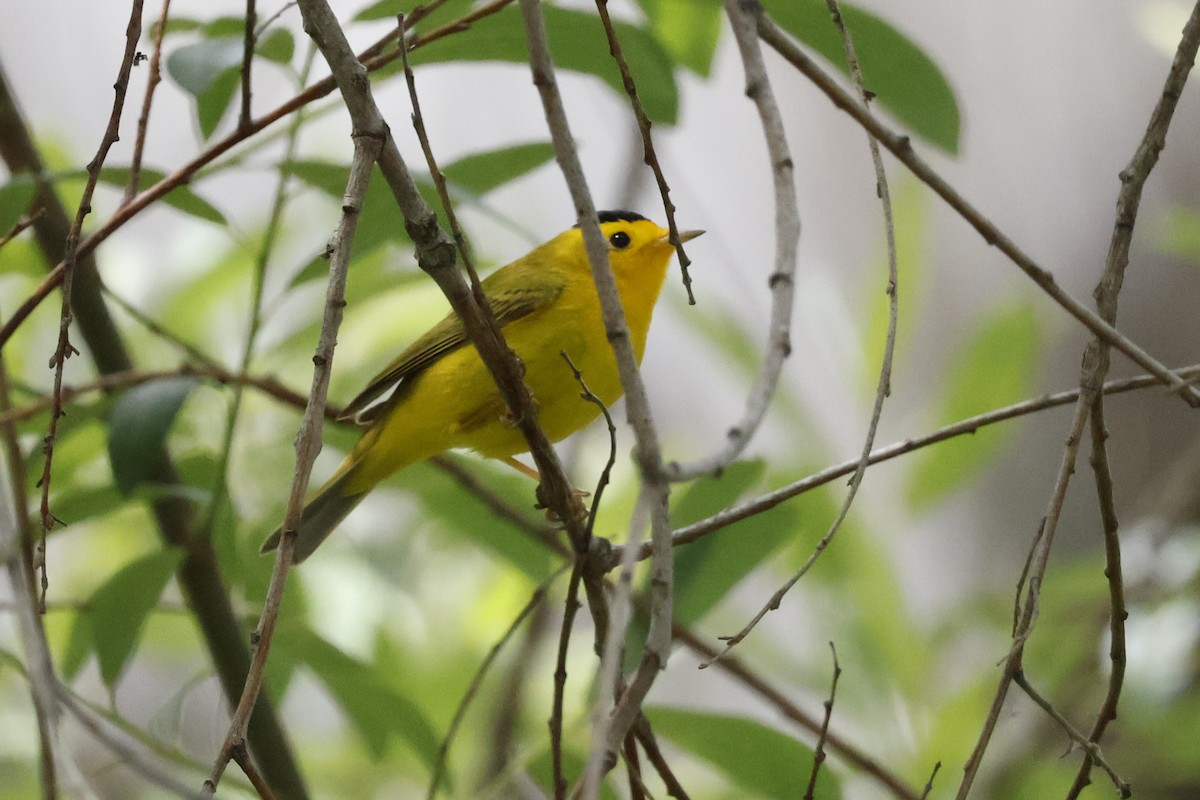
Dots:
{"x": 577, "y": 494}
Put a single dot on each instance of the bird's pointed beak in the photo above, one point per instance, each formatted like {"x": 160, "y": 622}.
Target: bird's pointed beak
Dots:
{"x": 684, "y": 236}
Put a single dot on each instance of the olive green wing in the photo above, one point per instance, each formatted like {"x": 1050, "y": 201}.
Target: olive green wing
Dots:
{"x": 510, "y": 301}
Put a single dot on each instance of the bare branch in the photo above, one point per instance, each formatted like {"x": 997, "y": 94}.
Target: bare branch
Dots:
{"x": 139, "y": 143}
{"x": 901, "y": 147}
{"x": 782, "y": 281}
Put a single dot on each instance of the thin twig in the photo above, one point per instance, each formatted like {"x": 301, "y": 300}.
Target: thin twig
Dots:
{"x": 374, "y": 60}
{"x": 245, "y": 117}
{"x": 611, "y": 732}
{"x": 883, "y": 386}
{"x": 152, "y": 81}
{"x": 308, "y": 442}
{"x": 782, "y": 281}
{"x": 606, "y": 473}
{"x": 901, "y": 147}
{"x": 748, "y": 678}
{"x": 649, "y": 743}
{"x": 21, "y": 226}
{"x": 555, "y": 723}
{"x": 64, "y": 348}
{"x": 823, "y": 736}
{"x": 649, "y": 156}
{"x": 929, "y": 783}
{"x": 17, "y": 538}
{"x": 1093, "y": 371}
{"x": 1092, "y": 749}
{"x": 443, "y": 754}
{"x": 1116, "y": 592}
{"x": 970, "y": 425}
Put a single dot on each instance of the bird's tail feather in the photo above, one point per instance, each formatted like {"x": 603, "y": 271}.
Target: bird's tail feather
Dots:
{"x": 320, "y": 516}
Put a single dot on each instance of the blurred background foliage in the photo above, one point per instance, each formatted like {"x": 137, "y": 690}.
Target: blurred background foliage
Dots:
{"x": 382, "y": 632}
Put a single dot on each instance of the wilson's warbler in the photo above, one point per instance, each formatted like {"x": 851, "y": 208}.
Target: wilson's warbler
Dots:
{"x": 442, "y": 395}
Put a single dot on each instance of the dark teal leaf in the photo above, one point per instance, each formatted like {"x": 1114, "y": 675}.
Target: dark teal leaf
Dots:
{"x": 138, "y": 429}
{"x": 996, "y": 365}
{"x": 753, "y": 756}
{"x": 196, "y": 67}
{"x": 212, "y": 104}
{"x": 15, "y": 197}
{"x": 378, "y": 711}
{"x": 906, "y": 81}
{"x": 482, "y": 172}
{"x": 578, "y": 43}
{"x": 688, "y": 29}
{"x": 118, "y": 609}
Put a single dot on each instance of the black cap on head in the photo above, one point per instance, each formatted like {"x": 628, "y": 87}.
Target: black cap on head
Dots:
{"x": 617, "y": 216}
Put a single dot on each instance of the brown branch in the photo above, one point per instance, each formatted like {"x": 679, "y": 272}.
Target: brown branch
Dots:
{"x": 248, "y": 37}
{"x": 649, "y": 743}
{"x": 155, "y": 77}
{"x": 901, "y": 147}
{"x": 782, "y": 281}
{"x": 21, "y": 225}
{"x": 64, "y": 348}
{"x": 374, "y": 59}
{"x": 649, "y": 156}
{"x": 308, "y": 442}
{"x": 460, "y": 712}
{"x": 1094, "y": 756}
{"x": 823, "y": 736}
{"x": 929, "y": 783}
{"x": 1094, "y": 369}
{"x": 560, "y": 680}
{"x": 970, "y": 425}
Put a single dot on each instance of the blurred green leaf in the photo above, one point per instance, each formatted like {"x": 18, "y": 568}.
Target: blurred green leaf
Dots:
{"x": 196, "y": 67}
{"x": 708, "y": 568}
{"x": 77, "y": 504}
{"x": 688, "y": 29}
{"x": 80, "y": 644}
{"x": 181, "y": 198}
{"x": 378, "y": 711}
{"x": 380, "y": 220}
{"x": 541, "y": 769}
{"x": 446, "y": 503}
{"x": 138, "y": 429}
{"x": 118, "y": 609}
{"x": 225, "y": 27}
{"x": 482, "y": 172}
{"x": 996, "y": 366}
{"x": 578, "y": 43}
{"x": 278, "y": 45}
{"x": 175, "y": 24}
{"x": 756, "y": 758}
{"x": 15, "y": 197}
{"x": 214, "y": 102}
{"x": 1179, "y": 233}
{"x": 905, "y": 80}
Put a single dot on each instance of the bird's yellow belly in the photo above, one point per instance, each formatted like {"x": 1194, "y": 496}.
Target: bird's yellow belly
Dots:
{"x": 455, "y": 403}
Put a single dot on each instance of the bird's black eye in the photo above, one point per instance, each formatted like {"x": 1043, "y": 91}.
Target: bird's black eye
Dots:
{"x": 619, "y": 240}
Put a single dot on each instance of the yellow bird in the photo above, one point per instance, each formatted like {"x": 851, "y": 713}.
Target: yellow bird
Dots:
{"x": 442, "y": 395}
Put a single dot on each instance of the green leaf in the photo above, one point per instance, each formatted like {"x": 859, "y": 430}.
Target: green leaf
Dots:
{"x": 196, "y": 67}
{"x": 578, "y": 43}
{"x": 138, "y": 429}
{"x": 77, "y": 504}
{"x": 708, "y": 568}
{"x": 905, "y": 80}
{"x": 225, "y": 27}
{"x": 995, "y": 367}
{"x": 482, "y": 172}
{"x": 118, "y": 609}
{"x": 15, "y": 197}
{"x": 446, "y": 503}
{"x": 277, "y": 45}
{"x": 181, "y": 198}
{"x": 212, "y": 104}
{"x": 1178, "y": 233}
{"x": 79, "y": 645}
{"x": 756, "y": 758}
{"x": 378, "y": 711}
{"x": 380, "y": 220}
{"x": 688, "y": 29}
